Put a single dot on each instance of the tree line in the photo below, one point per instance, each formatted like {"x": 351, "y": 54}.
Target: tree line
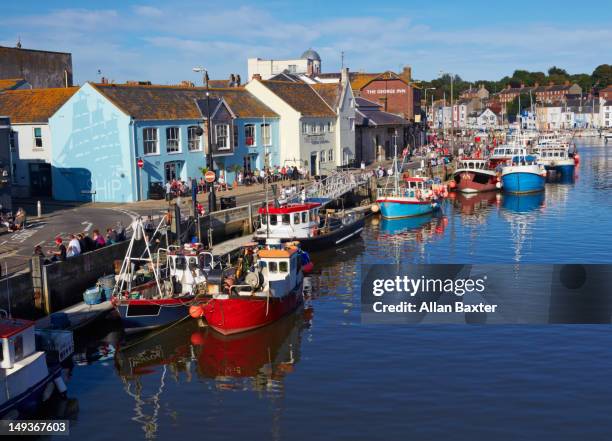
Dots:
{"x": 597, "y": 80}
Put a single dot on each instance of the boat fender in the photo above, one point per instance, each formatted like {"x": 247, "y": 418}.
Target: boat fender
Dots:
{"x": 498, "y": 184}
{"x": 196, "y": 311}
{"x": 375, "y": 208}
{"x": 60, "y": 385}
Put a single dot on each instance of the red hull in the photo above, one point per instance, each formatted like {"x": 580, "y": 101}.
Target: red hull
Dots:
{"x": 465, "y": 183}
{"x": 234, "y": 315}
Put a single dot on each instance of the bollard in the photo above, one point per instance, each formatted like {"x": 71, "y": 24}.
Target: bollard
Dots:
{"x": 39, "y": 208}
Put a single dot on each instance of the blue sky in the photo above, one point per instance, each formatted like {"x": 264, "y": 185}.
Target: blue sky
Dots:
{"x": 161, "y": 41}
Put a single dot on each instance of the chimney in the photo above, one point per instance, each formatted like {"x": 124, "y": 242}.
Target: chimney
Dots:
{"x": 406, "y": 74}
{"x": 344, "y": 76}
{"x": 257, "y": 76}
{"x": 238, "y": 80}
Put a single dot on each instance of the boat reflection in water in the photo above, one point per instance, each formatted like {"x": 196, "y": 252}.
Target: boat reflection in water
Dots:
{"x": 419, "y": 228}
{"x": 473, "y": 203}
{"x": 257, "y": 360}
{"x": 523, "y": 203}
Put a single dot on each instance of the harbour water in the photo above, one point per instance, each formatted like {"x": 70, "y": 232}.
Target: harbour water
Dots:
{"x": 321, "y": 374}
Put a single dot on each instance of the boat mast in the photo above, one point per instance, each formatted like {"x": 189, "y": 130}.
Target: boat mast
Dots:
{"x": 396, "y": 172}
{"x": 266, "y": 168}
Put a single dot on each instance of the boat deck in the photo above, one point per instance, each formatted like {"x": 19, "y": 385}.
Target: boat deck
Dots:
{"x": 79, "y": 315}
{"x": 229, "y": 246}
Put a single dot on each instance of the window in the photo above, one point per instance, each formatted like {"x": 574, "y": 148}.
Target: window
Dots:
{"x": 38, "y": 142}
{"x": 273, "y": 220}
{"x": 330, "y": 127}
{"x": 330, "y": 155}
{"x": 235, "y": 134}
{"x": 286, "y": 219}
{"x": 304, "y": 217}
{"x": 315, "y": 128}
{"x": 304, "y": 128}
{"x": 266, "y": 137}
{"x": 296, "y": 218}
{"x": 322, "y": 157}
{"x": 18, "y": 347}
{"x": 273, "y": 267}
{"x": 221, "y": 133}
{"x": 352, "y": 124}
{"x": 172, "y": 139}
{"x": 13, "y": 141}
{"x": 193, "y": 140}
{"x": 292, "y": 68}
{"x": 283, "y": 266}
{"x": 149, "y": 136}
{"x": 249, "y": 134}
{"x": 322, "y": 128}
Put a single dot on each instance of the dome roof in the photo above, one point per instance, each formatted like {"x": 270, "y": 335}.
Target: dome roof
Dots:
{"x": 311, "y": 54}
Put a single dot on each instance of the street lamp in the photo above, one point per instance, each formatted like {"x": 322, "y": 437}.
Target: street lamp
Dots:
{"x": 452, "y": 111}
{"x": 432, "y": 109}
{"x": 212, "y": 199}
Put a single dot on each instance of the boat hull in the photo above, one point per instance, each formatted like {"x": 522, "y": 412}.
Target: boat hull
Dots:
{"x": 474, "y": 182}
{"x": 522, "y": 182}
{"x": 240, "y": 314}
{"x": 28, "y": 402}
{"x": 142, "y": 314}
{"x": 397, "y": 208}
{"x": 564, "y": 169}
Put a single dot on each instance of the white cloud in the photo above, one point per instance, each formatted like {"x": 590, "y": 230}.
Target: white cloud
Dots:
{"x": 163, "y": 43}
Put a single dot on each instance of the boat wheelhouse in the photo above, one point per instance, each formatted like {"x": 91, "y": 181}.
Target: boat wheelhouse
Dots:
{"x": 506, "y": 152}
{"x": 475, "y": 175}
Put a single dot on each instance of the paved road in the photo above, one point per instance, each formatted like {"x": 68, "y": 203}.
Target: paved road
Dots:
{"x": 16, "y": 248}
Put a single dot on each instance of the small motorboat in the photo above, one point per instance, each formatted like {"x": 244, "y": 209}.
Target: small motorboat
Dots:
{"x": 265, "y": 285}
{"x": 30, "y": 366}
{"x": 415, "y": 197}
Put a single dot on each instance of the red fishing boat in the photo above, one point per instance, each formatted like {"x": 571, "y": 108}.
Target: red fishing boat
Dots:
{"x": 475, "y": 175}
{"x": 266, "y": 285}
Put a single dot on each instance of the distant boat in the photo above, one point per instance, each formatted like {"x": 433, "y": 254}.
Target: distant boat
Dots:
{"x": 556, "y": 158}
{"x": 475, "y": 175}
{"x": 523, "y": 175}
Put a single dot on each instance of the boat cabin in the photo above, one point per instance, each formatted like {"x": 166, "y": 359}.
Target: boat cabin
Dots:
{"x": 289, "y": 221}
{"x": 282, "y": 267}
{"x": 473, "y": 164}
{"x": 553, "y": 153}
{"x": 524, "y": 160}
{"x": 18, "y": 341}
{"x": 507, "y": 151}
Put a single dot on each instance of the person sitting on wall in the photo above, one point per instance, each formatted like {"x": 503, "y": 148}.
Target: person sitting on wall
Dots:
{"x": 120, "y": 229}
{"x": 98, "y": 239}
{"x": 60, "y": 254}
{"x": 111, "y": 236}
{"x": 74, "y": 248}
{"x": 38, "y": 251}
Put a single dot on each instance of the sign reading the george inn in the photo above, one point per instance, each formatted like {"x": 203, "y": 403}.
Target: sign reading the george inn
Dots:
{"x": 385, "y": 91}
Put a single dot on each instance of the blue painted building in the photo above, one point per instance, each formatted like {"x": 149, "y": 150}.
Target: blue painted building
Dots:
{"x": 103, "y": 129}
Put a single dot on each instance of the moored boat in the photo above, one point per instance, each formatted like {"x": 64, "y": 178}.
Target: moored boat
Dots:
{"x": 475, "y": 175}
{"x": 415, "y": 198}
{"x": 29, "y": 377}
{"x": 265, "y": 285}
{"x": 309, "y": 224}
{"x": 154, "y": 292}
{"x": 523, "y": 175}
{"x": 556, "y": 158}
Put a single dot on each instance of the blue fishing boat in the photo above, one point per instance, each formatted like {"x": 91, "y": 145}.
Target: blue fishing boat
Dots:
{"x": 556, "y": 158}
{"x": 414, "y": 196}
{"x": 523, "y": 175}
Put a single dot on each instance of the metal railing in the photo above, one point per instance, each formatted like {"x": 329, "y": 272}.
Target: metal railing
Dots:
{"x": 332, "y": 187}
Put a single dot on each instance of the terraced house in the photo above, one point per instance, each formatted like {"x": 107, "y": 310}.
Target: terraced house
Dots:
{"x": 31, "y": 146}
{"x": 104, "y": 129}
{"x": 317, "y": 122}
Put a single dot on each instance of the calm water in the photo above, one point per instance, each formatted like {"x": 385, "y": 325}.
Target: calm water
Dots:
{"x": 321, "y": 374}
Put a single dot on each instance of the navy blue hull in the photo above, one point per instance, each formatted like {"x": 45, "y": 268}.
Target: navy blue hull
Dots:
{"x": 139, "y": 315}
{"x": 28, "y": 402}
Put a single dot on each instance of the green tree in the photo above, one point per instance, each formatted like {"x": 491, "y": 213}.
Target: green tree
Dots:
{"x": 602, "y": 76}
{"x": 557, "y": 71}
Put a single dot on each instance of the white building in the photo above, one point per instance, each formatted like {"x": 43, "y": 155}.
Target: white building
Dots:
{"x": 317, "y": 122}
{"x": 487, "y": 119}
{"x": 29, "y": 111}
{"x": 606, "y": 114}
{"x": 308, "y": 64}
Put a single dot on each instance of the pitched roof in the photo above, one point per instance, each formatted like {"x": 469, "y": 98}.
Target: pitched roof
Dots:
{"x": 330, "y": 92}
{"x": 360, "y": 80}
{"x": 33, "y": 105}
{"x": 301, "y": 97}
{"x": 362, "y": 102}
{"x": 176, "y": 103}
{"x": 11, "y": 83}
{"x": 373, "y": 118}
